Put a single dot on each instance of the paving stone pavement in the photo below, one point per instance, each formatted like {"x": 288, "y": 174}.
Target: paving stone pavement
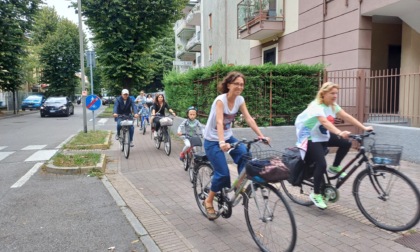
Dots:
{"x": 158, "y": 191}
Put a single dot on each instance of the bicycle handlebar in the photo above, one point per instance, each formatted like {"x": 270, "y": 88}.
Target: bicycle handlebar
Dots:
{"x": 247, "y": 143}
{"x": 360, "y": 137}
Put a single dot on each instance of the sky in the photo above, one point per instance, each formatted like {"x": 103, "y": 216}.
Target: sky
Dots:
{"x": 61, "y": 7}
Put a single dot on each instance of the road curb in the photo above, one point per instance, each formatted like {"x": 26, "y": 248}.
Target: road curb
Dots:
{"x": 51, "y": 168}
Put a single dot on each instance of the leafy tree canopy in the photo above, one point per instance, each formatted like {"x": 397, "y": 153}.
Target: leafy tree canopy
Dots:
{"x": 123, "y": 31}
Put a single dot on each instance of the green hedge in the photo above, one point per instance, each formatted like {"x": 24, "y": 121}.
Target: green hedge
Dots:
{"x": 292, "y": 87}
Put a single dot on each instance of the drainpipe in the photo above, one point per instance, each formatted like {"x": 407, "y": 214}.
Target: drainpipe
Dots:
{"x": 226, "y": 29}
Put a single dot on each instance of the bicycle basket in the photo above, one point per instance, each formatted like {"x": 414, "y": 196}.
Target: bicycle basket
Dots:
{"x": 266, "y": 166}
{"x": 386, "y": 154}
{"x": 127, "y": 123}
{"x": 166, "y": 121}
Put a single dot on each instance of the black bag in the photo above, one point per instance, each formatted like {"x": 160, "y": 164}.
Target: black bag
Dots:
{"x": 267, "y": 171}
{"x": 299, "y": 170}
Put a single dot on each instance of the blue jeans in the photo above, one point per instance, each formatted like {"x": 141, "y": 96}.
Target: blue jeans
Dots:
{"x": 221, "y": 176}
{"x": 131, "y": 131}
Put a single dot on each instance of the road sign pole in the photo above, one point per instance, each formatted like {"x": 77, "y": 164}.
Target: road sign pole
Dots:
{"x": 82, "y": 63}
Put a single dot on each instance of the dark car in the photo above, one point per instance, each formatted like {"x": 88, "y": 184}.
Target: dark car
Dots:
{"x": 107, "y": 100}
{"x": 32, "y": 102}
{"x": 57, "y": 106}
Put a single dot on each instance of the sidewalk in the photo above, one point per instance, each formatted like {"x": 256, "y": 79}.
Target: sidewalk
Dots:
{"x": 157, "y": 190}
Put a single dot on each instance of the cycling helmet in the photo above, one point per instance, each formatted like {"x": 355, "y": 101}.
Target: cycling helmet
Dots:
{"x": 191, "y": 108}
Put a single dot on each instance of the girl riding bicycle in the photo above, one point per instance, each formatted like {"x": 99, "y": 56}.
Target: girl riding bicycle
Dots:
{"x": 316, "y": 131}
{"x": 144, "y": 115}
{"x": 218, "y": 134}
{"x": 189, "y": 127}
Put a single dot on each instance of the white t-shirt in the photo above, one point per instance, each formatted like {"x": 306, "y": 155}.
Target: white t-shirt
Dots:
{"x": 308, "y": 126}
{"x": 210, "y": 132}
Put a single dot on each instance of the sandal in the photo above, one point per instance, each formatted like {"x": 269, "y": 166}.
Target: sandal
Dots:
{"x": 210, "y": 215}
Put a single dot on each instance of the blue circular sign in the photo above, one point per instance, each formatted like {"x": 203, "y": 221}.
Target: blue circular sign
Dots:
{"x": 93, "y": 102}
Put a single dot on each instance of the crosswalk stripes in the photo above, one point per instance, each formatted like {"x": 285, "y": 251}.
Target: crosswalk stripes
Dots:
{"x": 38, "y": 155}
{"x": 5, "y": 154}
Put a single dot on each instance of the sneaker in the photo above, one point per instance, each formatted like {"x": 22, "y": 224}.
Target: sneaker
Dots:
{"x": 117, "y": 137}
{"x": 318, "y": 200}
{"x": 155, "y": 134}
{"x": 336, "y": 169}
{"x": 131, "y": 144}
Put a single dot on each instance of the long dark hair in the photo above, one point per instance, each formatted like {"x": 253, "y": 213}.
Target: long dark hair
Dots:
{"x": 230, "y": 78}
{"x": 156, "y": 99}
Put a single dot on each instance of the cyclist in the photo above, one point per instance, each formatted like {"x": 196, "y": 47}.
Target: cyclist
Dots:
{"x": 218, "y": 134}
{"x": 158, "y": 108}
{"x": 126, "y": 107}
{"x": 189, "y": 126}
{"x": 140, "y": 99}
{"x": 144, "y": 112}
{"x": 316, "y": 131}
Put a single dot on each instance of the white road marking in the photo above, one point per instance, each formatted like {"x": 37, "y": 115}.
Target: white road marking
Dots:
{"x": 27, "y": 176}
{"x": 102, "y": 121}
{"x": 4, "y": 155}
{"x": 34, "y": 147}
{"x": 65, "y": 141}
{"x": 3, "y": 147}
{"x": 41, "y": 155}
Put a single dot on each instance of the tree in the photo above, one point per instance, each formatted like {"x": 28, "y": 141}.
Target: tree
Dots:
{"x": 46, "y": 22}
{"x": 60, "y": 58}
{"x": 15, "y": 21}
{"x": 123, "y": 31}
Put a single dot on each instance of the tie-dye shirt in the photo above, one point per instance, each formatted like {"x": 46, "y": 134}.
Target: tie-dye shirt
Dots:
{"x": 308, "y": 126}
{"x": 210, "y": 132}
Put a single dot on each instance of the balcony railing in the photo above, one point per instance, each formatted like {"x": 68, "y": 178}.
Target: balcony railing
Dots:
{"x": 260, "y": 19}
{"x": 194, "y": 44}
{"x": 194, "y": 17}
{"x": 183, "y": 30}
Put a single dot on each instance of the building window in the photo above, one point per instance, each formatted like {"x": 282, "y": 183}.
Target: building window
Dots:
{"x": 210, "y": 21}
{"x": 269, "y": 54}
{"x": 210, "y": 53}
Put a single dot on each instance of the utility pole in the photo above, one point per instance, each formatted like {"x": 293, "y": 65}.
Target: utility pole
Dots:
{"x": 82, "y": 64}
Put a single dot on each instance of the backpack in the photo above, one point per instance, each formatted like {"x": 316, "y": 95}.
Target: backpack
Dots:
{"x": 299, "y": 170}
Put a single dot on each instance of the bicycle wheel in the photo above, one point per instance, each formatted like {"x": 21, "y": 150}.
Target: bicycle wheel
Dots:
{"x": 157, "y": 139}
{"x": 126, "y": 144}
{"x": 201, "y": 184}
{"x": 187, "y": 160}
{"x": 167, "y": 142}
{"x": 191, "y": 166}
{"x": 138, "y": 121}
{"x": 121, "y": 140}
{"x": 298, "y": 194}
{"x": 144, "y": 127}
{"x": 269, "y": 218}
{"x": 387, "y": 198}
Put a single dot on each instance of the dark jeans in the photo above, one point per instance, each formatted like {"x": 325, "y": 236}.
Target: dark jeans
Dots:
{"x": 316, "y": 153}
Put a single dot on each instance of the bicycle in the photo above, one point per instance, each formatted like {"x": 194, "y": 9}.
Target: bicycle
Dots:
{"x": 124, "y": 137}
{"x": 163, "y": 134}
{"x": 269, "y": 217}
{"x": 143, "y": 123}
{"x": 196, "y": 147}
{"x": 393, "y": 210}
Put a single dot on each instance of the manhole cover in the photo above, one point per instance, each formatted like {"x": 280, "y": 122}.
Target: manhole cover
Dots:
{"x": 410, "y": 241}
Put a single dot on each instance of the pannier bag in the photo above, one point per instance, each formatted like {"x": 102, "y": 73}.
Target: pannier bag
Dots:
{"x": 166, "y": 121}
{"x": 299, "y": 170}
{"x": 270, "y": 170}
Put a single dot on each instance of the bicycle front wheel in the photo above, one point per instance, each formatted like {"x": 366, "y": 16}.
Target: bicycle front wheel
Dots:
{"x": 202, "y": 184}
{"x": 167, "y": 142}
{"x": 298, "y": 194}
{"x": 126, "y": 144}
{"x": 387, "y": 198}
{"x": 269, "y": 218}
{"x": 121, "y": 140}
{"x": 157, "y": 140}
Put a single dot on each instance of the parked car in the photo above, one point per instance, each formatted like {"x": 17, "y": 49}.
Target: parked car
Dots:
{"x": 32, "y": 102}
{"x": 57, "y": 106}
{"x": 107, "y": 100}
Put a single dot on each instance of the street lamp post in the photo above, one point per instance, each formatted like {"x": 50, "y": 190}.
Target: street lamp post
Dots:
{"x": 82, "y": 64}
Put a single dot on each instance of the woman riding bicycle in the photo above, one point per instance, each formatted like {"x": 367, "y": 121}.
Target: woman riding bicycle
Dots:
{"x": 218, "y": 134}
{"x": 316, "y": 131}
{"x": 159, "y": 107}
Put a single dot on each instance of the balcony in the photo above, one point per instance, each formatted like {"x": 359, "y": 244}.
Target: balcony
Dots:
{"x": 194, "y": 44}
{"x": 184, "y": 55}
{"x": 194, "y": 17}
{"x": 183, "y": 30}
{"x": 260, "y": 19}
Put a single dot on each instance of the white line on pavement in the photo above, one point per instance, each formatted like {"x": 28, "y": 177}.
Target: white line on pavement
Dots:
{"x": 4, "y": 155}
{"x": 102, "y": 121}
{"x": 63, "y": 143}
{"x": 27, "y": 176}
{"x": 41, "y": 155}
{"x": 34, "y": 147}
{"x": 3, "y": 147}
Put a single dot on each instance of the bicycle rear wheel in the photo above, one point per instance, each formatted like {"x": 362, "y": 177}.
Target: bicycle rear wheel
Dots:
{"x": 298, "y": 194}
{"x": 126, "y": 144}
{"x": 167, "y": 142}
{"x": 144, "y": 127}
{"x": 201, "y": 184}
{"x": 387, "y": 198}
{"x": 269, "y": 218}
{"x": 187, "y": 160}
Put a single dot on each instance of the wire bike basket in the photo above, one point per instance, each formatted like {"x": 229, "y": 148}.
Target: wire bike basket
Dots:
{"x": 386, "y": 154}
{"x": 166, "y": 121}
{"x": 127, "y": 123}
{"x": 266, "y": 166}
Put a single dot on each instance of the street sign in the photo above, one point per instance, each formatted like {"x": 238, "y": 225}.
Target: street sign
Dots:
{"x": 182, "y": 63}
{"x": 93, "y": 102}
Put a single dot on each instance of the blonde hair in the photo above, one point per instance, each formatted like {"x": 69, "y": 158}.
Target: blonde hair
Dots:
{"x": 325, "y": 88}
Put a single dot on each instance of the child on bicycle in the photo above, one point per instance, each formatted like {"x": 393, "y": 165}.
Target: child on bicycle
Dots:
{"x": 144, "y": 113}
{"x": 189, "y": 127}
